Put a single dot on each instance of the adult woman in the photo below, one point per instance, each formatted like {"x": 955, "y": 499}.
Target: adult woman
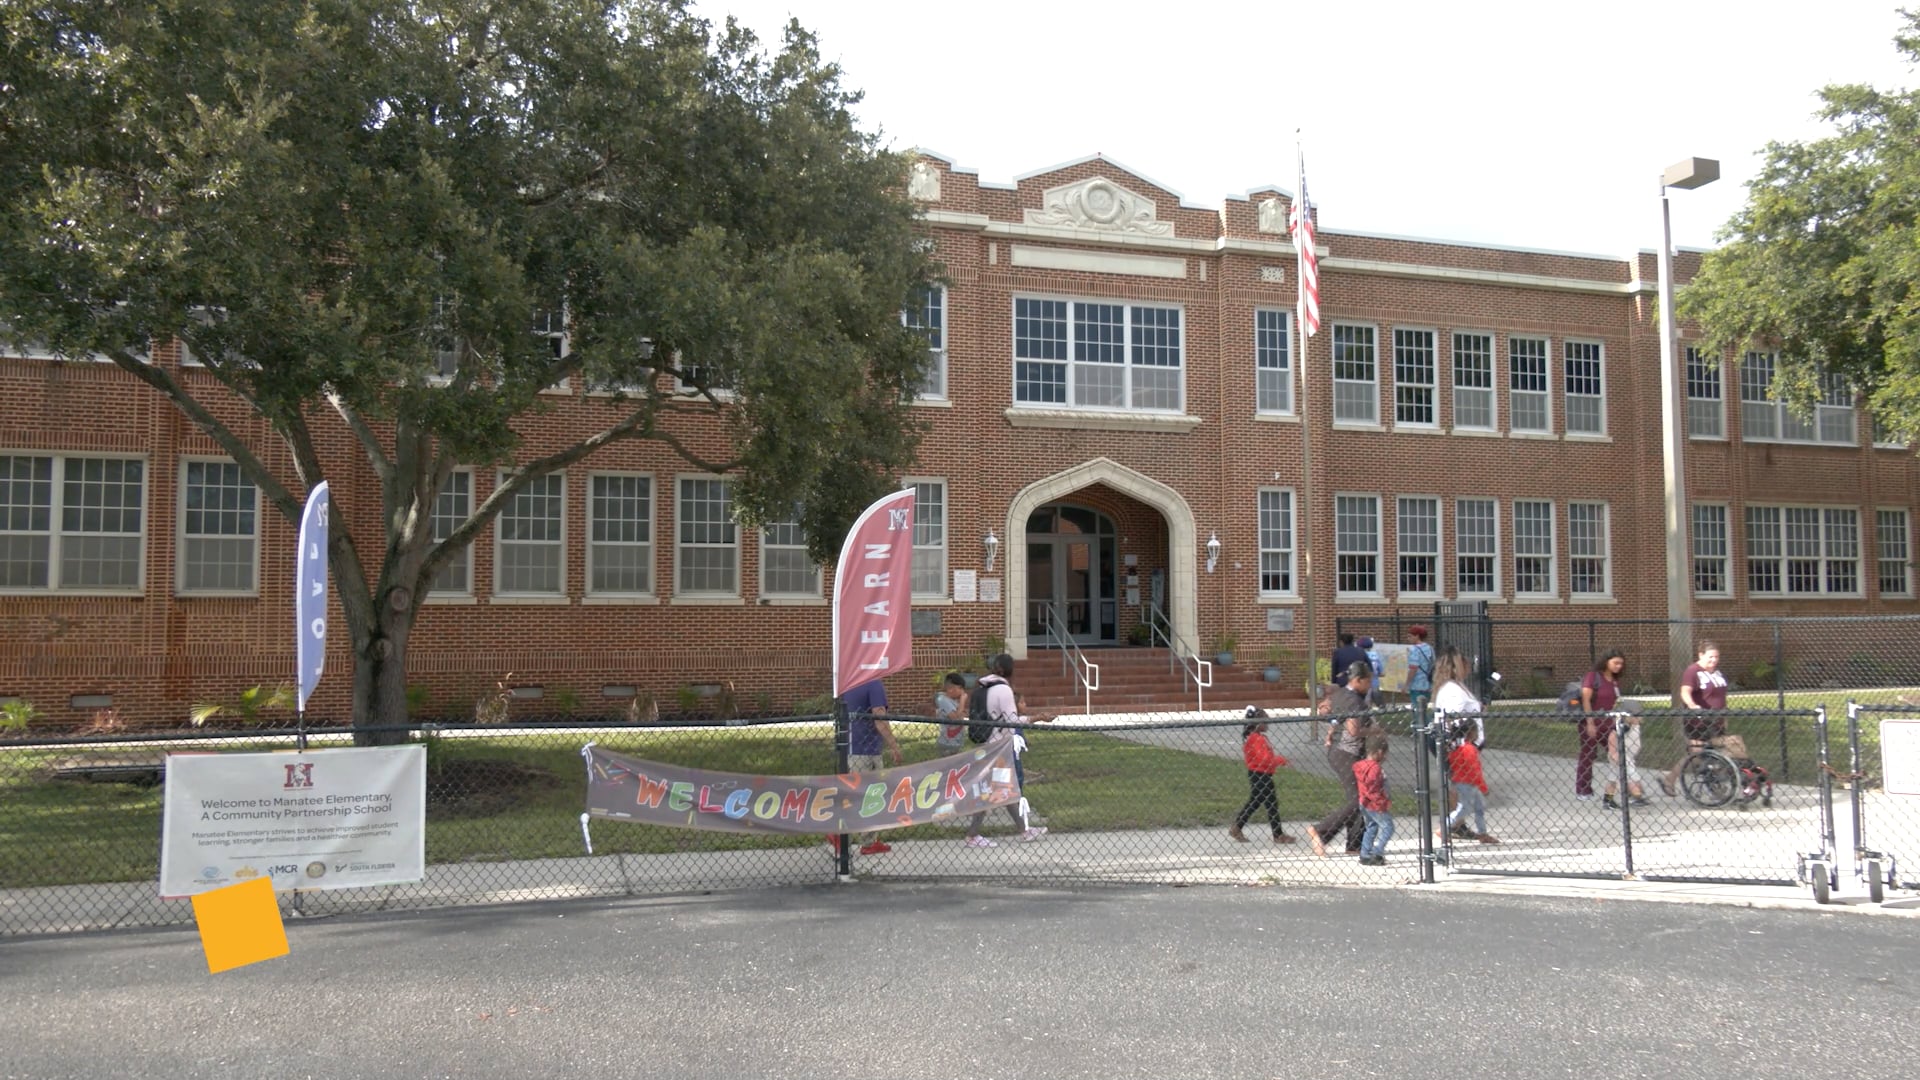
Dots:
{"x": 1451, "y": 698}
{"x": 1598, "y": 693}
{"x": 1703, "y": 693}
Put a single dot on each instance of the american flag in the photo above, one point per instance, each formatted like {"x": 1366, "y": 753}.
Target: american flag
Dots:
{"x": 1309, "y": 263}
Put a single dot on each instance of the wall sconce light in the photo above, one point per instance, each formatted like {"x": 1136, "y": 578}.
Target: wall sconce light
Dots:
{"x": 1213, "y": 551}
{"x": 992, "y": 543}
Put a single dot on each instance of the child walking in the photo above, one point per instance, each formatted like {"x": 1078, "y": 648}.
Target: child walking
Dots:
{"x": 1375, "y": 804}
{"x": 1469, "y": 792}
{"x": 1261, "y": 762}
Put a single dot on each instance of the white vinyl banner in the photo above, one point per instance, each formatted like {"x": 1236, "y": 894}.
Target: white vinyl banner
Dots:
{"x": 319, "y": 819}
{"x": 1900, "y": 757}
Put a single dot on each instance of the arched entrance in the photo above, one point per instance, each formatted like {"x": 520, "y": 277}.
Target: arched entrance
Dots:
{"x": 1181, "y": 602}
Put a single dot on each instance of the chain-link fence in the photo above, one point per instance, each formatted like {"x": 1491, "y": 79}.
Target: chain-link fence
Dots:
{"x": 1881, "y": 830}
{"x": 1150, "y": 801}
{"x": 1689, "y": 796}
{"x": 1781, "y": 663}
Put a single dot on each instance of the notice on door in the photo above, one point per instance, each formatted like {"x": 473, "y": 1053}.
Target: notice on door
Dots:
{"x": 319, "y": 819}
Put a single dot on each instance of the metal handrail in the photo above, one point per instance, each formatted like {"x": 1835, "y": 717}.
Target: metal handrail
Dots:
{"x": 1086, "y": 673}
{"x": 1191, "y": 665}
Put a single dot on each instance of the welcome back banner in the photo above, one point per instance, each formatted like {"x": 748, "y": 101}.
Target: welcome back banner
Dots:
{"x": 623, "y": 788}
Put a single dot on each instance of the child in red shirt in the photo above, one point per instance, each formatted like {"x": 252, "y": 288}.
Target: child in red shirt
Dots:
{"x": 1261, "y": 762}
{"x": 1469, "y": 791}
{"x": 1375, "y": 804}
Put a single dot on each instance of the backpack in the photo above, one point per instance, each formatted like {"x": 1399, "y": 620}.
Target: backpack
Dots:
{"x": 979, "y": 719}
{"x": 1570, "y": 705}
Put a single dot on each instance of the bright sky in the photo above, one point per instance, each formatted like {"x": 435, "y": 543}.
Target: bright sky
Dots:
{"x": 1531, "y": 124}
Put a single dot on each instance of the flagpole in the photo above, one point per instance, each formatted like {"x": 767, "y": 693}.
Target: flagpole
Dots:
{"x": 1307, "y": 510}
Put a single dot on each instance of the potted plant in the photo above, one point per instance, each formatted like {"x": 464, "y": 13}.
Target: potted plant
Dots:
{"x": 1223, "y": 647}
{"x": 1275, "y": 654}
{"x": 1139, "y": 634}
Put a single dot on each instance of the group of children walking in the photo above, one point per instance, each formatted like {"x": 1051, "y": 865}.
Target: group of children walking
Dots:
{"x": 1376, "y": 805}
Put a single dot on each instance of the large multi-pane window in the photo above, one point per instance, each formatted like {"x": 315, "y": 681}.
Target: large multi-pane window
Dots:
{"x": 1414, "y": 378}
{"x": 1763, "y": 419}
{"x": 785, "y": 567}
{"x": 1476, "y": 540}
{"x": 1533, "y": 569}
{"x": 530, "y": 549}
{"x": 219, "y": 529}
{"x": 71, "y": 523}
{"x": 450, "y": 510}
{"x": 1891, "y": 537}
{"x": 1272, "y": 361}
{"x": 1356, "y": 375}
{"x": 1795, "y": 550}
{"x": 1710, "y": 576}
{"x": 1091, "y": 355}
{"x": 620, "y": 535}
{"x": 929, "y": 538}
{"x": 1356, "y": 544}
{"x": 1527, "y": 385}
{"x": 1589, "y": 558}
{"x": 926, "y": 314}
{"x": 708, "y": 552}
{"x": 1586, "y": 384}
{"x": 1706, "y": 411}
{"x": 1417, "y": 519}
{"x": 1276, "y": 542}
{"x": 1473, "y": 405}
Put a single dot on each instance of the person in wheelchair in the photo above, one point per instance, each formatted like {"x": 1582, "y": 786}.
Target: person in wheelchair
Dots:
{"x": 1716, "y": 767}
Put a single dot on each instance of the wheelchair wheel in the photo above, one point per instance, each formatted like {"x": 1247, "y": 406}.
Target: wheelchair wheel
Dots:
{"x": 1709, "y": 778}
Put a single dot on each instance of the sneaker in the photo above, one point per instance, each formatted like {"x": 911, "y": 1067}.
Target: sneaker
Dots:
{"x": 1233, "y": 832}
{"x": 1609, "y": 803}
{"x": 1282, "y": 838}
{"x": 1588, "y": 797}
{"x": 1032, "y": 834}
{"x": 878, "y": 847}
{"x": 1487, "y": 838}
{"x": 1639, "y": 800}
{"x": 980, "y": 841}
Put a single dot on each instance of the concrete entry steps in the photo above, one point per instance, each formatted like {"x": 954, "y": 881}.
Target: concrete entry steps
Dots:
{"x": 1136, "y": 680}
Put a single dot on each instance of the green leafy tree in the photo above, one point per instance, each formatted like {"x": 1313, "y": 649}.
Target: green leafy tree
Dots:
{"x": 354, "y": 213}
{"x": 1823, "y": 263}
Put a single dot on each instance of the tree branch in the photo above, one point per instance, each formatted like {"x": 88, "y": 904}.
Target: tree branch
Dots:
{"x": 382, "y": 465}
{"x": 156, "y": 377}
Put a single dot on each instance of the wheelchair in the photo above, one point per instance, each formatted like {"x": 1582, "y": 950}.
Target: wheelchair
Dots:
{"x": 1711, "y": 777}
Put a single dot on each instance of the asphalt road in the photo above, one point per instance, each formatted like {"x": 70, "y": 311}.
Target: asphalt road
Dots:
{"x": 979, "y": 982}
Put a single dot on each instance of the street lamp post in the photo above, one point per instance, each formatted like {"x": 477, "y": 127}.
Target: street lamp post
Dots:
{"x": 1686, "y": 175}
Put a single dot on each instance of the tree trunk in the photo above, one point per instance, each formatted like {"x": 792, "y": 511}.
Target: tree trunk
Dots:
{"x": 380, "y": 680}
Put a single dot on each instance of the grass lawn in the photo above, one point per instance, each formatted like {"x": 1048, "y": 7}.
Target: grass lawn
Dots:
{"x": 520, "y": 797}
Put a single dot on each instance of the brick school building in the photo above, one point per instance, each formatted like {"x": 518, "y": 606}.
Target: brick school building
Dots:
{"x": 1115, "y": 429}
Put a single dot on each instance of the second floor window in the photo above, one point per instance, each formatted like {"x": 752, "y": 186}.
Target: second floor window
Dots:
{"x": 1273, "y": 362}
{"x": 1356, "y": 376}
{"x": 1473, "y": 382}
{"x": 1706, "y": 412}
{"x": 926, "y": 313}
{"x": 1586, "y": 388}
{"x": 1413, "y": 379}
{"x": 1527, "y": 385}
{"x": 1765, "y": 420}
{"x": 1085, "y": 354}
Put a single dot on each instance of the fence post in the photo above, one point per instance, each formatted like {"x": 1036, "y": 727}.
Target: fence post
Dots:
{"x": 1423, "y": 795}
{"x": 842, "y": 747}
{"x": 1626, "y": 795}
{"x": 1780, "y": 699}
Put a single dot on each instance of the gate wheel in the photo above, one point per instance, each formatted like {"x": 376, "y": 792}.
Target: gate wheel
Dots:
{"x": 1876, "y": 882}
{"x": 1817, "y": 877}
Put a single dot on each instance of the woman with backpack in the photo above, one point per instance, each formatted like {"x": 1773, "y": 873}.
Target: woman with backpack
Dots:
{"x": 993, "y": 702}
{"x": 1599, "y": 691}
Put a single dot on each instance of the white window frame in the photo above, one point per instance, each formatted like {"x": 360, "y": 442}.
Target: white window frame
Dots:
{"x": 681, "y": 544}
{"x": 1338, "y": 351}
{"x": 1460, "y": 553}
{"x": 1831, "y": 410}
{"x": 1551, "y": 554}
{"x": 923, "y": 527}
{"x": 1342, "y": 552}
{"x": 500, "y": 542}
{"x": 931, "y": 299}
{"x": 1408, "y": 393}
{"x": 57, "y": 535}
{"x": 1276, "y": 528}
{"x": 20, "y": 348}
{"x": 1706, "y": 396}
{"x": 1824, "y": 563}
{"x": 1491, "y": 390}
{"x": 1598, "y": 358}
{"x": 1705, "y": 549}
{"x": 767, "y": 545}
{"x": 1876, "y": 427}
{"x": 1273, "y": 361}
{"x": 1515, "y": 395}
{"x": 561, "y": 341}
{"x": 182, "y": 537}
{"x": 1074, "y": 368}
{"x": 1758, "y": 410}
{"x": 448, "y": 490}
{"x": 1437, "y": 555}
{"x": 649, "y": 543}
{"x": 1594, "y": 549}
{"x": 1893, "y": 523}
{"x": 447, "y": 346}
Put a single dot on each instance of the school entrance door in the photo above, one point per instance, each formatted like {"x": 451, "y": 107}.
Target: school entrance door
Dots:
{"x": 1072, "y": 569}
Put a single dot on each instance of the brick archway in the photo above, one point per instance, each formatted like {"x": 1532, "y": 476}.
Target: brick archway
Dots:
{"x": 1182, "y": 584}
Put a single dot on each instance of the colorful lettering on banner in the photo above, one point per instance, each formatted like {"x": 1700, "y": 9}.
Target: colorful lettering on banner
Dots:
{"x": 622, "y": 788}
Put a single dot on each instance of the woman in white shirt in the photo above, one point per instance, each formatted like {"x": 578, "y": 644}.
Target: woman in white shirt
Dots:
{"x": 1452, "y": 698}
